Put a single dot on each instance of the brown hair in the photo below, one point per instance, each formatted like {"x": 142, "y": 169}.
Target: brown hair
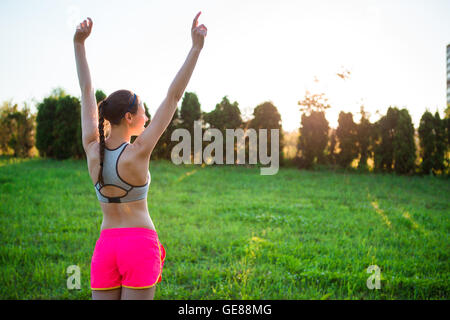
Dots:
{"x": 113, "y": 108}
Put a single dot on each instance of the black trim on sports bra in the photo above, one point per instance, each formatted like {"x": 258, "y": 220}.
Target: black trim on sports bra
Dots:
{"x": 112, "y": 199}
{"x": 115, "y": 148}
{"x": 117, "y": 171}
{"x": 110, "y": 184}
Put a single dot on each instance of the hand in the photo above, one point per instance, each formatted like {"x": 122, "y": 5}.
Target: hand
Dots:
{"x": 198, "y": 33}
{"x": 83, "y": 31}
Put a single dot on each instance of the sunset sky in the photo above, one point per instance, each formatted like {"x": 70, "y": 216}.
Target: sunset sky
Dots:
{"x": 255, "y": 51}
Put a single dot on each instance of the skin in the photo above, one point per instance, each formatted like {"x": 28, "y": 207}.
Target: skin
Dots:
{"x": 134, "y": 162}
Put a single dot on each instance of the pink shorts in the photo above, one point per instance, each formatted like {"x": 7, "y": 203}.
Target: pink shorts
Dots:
{"x": 127, "y": 257}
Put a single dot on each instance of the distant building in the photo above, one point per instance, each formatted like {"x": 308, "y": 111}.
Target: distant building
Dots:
{"x": 448, "y": 74}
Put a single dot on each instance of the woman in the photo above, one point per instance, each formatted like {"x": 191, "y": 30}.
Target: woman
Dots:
{"x": 128, "y": 257}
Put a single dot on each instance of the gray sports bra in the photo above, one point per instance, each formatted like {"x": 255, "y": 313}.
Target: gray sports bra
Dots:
{"x": 111, "y": 178}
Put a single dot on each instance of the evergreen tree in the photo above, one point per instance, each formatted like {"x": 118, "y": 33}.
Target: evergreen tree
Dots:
{"x": 266, "y": 116}
{"x": 332, "y": 155}
{"x": 384, "y": 141}
{"x": 447, "y": 138}
{"x": 313, "y": 138}
{"x": 433, "y": 144}
{"x": 226, "y": 115}
{"x": 190, "y": 112}
{"x": 67, "y": 129}
{"x": 364, "y": 139}
{"x": 347, "y": 136}
{"x": 58, "y": 126}
{"x": 404, "y": 146}
{"x": 439, "y": 156}
{"x": 45, "y": 121}
{"x": 427, "y": 141}
{"x": 100, "y": 95}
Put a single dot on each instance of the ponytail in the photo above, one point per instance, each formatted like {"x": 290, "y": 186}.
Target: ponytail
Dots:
{"x": 101, "y": 119}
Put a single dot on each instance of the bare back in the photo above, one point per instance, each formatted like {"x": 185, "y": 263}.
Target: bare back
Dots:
{"x": 133, "y": 169}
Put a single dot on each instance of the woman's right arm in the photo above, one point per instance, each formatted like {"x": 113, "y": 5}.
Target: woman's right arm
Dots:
{"x": 181, "y": 80}
{"x": 147, "y": 140}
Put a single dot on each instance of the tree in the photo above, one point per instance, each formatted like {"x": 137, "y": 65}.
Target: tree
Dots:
{"x": 314, "y": 102}
{"x": 447, "y": 139}
{"x": 433, "y": 144}
{"x": 45, "y": 121}
{"x": 384, "y": 141}
{"x": 226, "y": 115}
{"x": 100, "y": 95}
{"x": 347, "y": 136}
{"x": 190, "y": 111}
{"x": 164, "y": 145}
{"x": 16, "y": 129}
{"x": 395, "y": 149}
{"x": 427, "y": 138}
{"x": 364, "y": 139}
{"x": 439, "y": 159}
{"x": 404, "y": 146}
{"x": 67, "y": 129}
{"x": 332, "y": 155}
{"x": 147, "y": 113}
{"x": 58, "y": 126}
{"x": 266, "y": 116}
{"x": 314, "y": 128}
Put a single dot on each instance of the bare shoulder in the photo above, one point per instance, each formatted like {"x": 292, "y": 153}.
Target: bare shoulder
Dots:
{"x": 133, "y": 150}
{"x": 139, "y": 151}
{"x": 132, "y": 162}
{"x": 133, "y": 165}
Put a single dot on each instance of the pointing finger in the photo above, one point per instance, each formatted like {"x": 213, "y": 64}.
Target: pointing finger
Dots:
{"x": 195, "y": 22}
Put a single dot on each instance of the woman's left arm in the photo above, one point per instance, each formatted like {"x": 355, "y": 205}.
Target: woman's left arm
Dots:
{"x": 89, "y": 112}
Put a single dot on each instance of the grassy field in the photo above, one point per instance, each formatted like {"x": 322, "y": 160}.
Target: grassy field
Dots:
{"x": 231, "y": 233}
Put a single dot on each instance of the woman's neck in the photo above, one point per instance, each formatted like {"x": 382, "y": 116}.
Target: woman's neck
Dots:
{"x": 117, "y": 137}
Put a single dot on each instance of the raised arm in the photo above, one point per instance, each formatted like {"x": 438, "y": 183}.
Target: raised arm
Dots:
{"x": 147, "y": 140}
{"x": 89, "y": 112}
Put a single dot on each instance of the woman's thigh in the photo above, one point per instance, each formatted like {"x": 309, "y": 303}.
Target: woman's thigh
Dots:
{"x": 113, "y": 294}
{"x": 138, "y": 294}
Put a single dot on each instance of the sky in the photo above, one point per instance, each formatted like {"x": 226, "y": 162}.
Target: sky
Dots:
{"x": 255, "y": 51}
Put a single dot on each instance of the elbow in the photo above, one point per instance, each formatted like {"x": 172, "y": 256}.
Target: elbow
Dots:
{"x": 174, "y": 96}
{"x": 86, "y": 89}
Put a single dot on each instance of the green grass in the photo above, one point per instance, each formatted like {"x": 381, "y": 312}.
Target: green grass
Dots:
{"x": 231, "y": 233}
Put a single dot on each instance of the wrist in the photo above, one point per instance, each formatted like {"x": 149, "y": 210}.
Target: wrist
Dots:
{"x": 196, "y": 49}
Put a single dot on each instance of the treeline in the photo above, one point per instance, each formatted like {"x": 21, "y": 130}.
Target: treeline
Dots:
{"x": 388, "y": 143}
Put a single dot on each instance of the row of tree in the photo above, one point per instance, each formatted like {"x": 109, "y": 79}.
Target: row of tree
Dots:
{"x": 17, "y": 129}
{"x": 226, "y": 115}
{"x": 390, "y": 142}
